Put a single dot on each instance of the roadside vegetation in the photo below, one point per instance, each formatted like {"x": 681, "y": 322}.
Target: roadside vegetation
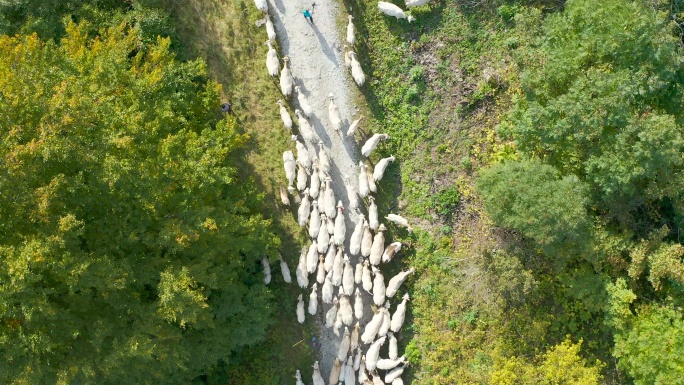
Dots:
{"x": 539, "y": 147}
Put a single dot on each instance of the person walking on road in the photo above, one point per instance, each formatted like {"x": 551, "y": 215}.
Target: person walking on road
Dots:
{"x": 307, "y": 15}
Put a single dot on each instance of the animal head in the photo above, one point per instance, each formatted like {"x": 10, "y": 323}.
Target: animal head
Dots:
{"x": 350, "y": 17}
{"x": 411, "y": 18}
{"x": 382, "y": 227}
{"x": 280, "y": 102}
{"x": 339, "y": 205}
{"x": 296, "y": 88}
{"x": 286, "y": 59}
{"x": 331, "y": 96}
{"x": 406, "y": 296}
{"x": 298, "y": 112}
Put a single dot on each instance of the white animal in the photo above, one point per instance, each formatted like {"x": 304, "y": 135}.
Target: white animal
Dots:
{"x": 313, "y": 299}
{"x": 367, "y": 240}
{"x": 347, "y": 277}
{"x": 354, "y": 126}
{"x": 355, "y": 239}
{"x": 393, "y": 348}
{"x": 343, "y": 349}
{"x": 267, "y": 270}
{"x": 373, "y": 353}
{"x": 289, "y": 165}
{"x": 327, "y": 291}
{"x": 285, "y": 115}
{"x": 356, "y": 70}
{"x": 323, "y": 239}
{"x": 331, "y": 315}
{"x": 390, "y": 251}
{"x": 387, "y": 364}
{"x": 314, "y": 220}
{"x": 397, "y": 381}
{"x": 330, "y": 226}
{"x": 358, "y": 271}
{"x": 363, "y": 180}
{"x": 394, "y": 374}
{"x": 270, "y": 30}
{"x": 261, "y": 5}
{"x": 312, "y": 258}
{"x": 354, "y": 340}
{"x": 303, "y": 156}
{"x": 351, "y": 36}
{"x": 346, "y": 312}
{"x": 338, "y": 323}
{"x": 415, "y": 3}
{"x": 337, "y": 268}
{"x": 302, "y": 275}
{"x": 399, "y": 221}
{"x": 283, "y": 196}
{"x": 357, "y": 359}
{"x": 378, "y": 246}
{"x": 323, "y": 159}
{"x": 330, "y": 256}
{"x": 334, "y": 115}
{"x": 363, "y": 376}
{"x": 397, "y": 281}
{"x": 303, "y": 102}
{"x": 305, "y": 127}
{"x": 315, "y": 180}
{"x": 372, "y": 143}
{"x": 372, "y": 187}
{"x": 349, "y": 377}
{"x": 300, "y": 309}
{"x": 340, "y": 228}
{"x": 385, "y": 325}
{"x": 298, "y": 376}
{"x": 316, "y": 377}
{"x": 304, "y": 209}
{"x": 302, "y": 177}
{"x": 378, "y": 287}
{"x": 390, "y": 9}
{"x": 366, "y": 277}
{"x": 285, "y": 270}
{"x": 286, "y": 79}
{"x": 329, "y": 202}
{"x": 352, "y": 196}
{"x": 371, "y": 329}
{"x": 272, "y": 65}
{"x": 399, "y": 315}
{"x": 335, "y": 372}
{"x": 320, "y": 272}
{"x": 381, "y": 166}
{"x": 358, "y": 304}
{"x": 373, "y": 221}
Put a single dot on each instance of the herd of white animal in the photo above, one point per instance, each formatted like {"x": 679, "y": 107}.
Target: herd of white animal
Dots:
{"x": 308, "y": 180}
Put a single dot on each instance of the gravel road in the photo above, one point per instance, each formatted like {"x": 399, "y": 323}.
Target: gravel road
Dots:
{"x": 317, "y": 64}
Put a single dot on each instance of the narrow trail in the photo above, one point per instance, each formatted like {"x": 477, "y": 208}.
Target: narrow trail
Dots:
{"x": 317, "y": 63}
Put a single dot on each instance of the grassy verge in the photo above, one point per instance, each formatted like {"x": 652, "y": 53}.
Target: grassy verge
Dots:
{"x": 438, "y": 87}
{"x": 225, "y": 35}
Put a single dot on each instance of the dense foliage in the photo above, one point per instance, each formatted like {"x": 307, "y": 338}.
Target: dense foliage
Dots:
{"x": 599, "y": 131}
{"x": 129, "y": 250}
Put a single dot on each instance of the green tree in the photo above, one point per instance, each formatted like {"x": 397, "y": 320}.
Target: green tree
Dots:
{"x": 533, "y": 198}
{"x": 602, "y": 100}
{"x": 129, "y": 248}
{"x": 560, "y": 365}
{"x": 649, "y": 345}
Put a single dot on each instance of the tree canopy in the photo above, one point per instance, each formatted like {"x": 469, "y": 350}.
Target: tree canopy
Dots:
{"x": 599, "y": 131}
{"x": 129, "y": 247}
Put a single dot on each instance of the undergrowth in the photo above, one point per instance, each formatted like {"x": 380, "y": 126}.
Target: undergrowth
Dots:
{"x": 225, "y": 35}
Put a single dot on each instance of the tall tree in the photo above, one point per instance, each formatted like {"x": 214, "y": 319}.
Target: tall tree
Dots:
{"x": 129, "y": 248}
{"x": 602, "y": 100}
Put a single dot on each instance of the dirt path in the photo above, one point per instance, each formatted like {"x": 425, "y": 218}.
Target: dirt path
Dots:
{"x": 317, "y": 64}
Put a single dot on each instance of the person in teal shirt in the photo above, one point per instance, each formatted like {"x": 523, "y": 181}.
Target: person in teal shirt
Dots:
{"x": 307, "y": 15}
